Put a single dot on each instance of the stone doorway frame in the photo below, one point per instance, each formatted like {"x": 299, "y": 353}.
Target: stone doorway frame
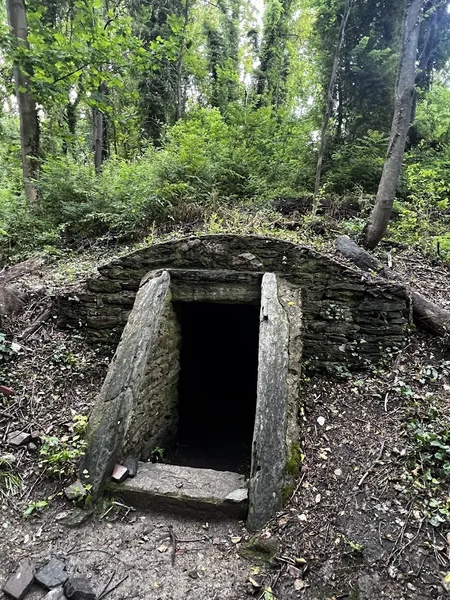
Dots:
{"x": 142, "y": 380}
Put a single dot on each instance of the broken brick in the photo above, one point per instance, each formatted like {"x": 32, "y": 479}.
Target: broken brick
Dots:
{"x": 119, "y": 474}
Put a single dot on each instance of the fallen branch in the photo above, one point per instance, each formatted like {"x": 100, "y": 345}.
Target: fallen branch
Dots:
{"x": 28, "y": 332}
{"x": 370, "y": 469}
{"x": 425, "y": 313}
{"x": 173, "y": 539}
{"x": 114, "y": 587}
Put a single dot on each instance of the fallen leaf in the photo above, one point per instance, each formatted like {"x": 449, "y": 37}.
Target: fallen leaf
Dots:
{"x": 163, "y": 548}
{"x": 236, "y": 539}
{"x": 254, "y": 583}
{"x": 302, "y": 517}
{"x": 299, "y": 584}
{"x": 300, "y": 561}
{"x": 318, "y": 498}
{"x": 294, "y": 571}
{"x": 321, "y": 421}
{"x": 255, "y": 570}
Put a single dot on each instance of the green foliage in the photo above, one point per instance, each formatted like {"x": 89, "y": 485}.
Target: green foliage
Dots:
{"x": 7, "y": 348}
{"x": 157, "y": 454}
{"x": 35, "y": 507}
{"x": 430, "y": 466}
{"x": 357, "y": 163}
{"x": 423, "y": 217}
{"x": 60, "y": 456}
{"x": 10, "y": 482}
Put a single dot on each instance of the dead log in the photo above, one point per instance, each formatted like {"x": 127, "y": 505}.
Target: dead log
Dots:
{"x": 425, "y": 313}
{"x": 28, "y": 332}
{"x": 14, "y": 272}
{"x": 12, "y": 299}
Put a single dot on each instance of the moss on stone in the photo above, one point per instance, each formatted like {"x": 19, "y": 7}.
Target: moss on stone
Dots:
{"x": 293, "y": 460}
{"x": 259, "y": 548}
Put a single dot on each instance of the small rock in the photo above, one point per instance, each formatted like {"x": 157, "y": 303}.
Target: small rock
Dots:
{"x": 18, "y": 584}
{"x": 321, "y": 421}
{"x": 56, "y": 594}
{"x": 119, "y": 474}
{"x": 239, "y": 495}
{"x": 18, "y": 438}
{"x": 35, "y": 435}
{"x": 78, "y": 588}
{"x": 74, "y": 518}
{"x": 193, "y": 574}
{"x": 132, "y": 465}
{"x": 53, "y": 574}
{"x": 75, "y": 491}
{"x": 31, "y": 447}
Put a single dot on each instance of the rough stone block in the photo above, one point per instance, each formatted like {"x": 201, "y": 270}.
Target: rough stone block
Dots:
{"x": 132, "y": 465}
{"x": 53, "y": 574}
{"x": 18, "y": 584}
{"x": 78, "y": 588}
{"x": 18, "y": 438}
{"x": 56, "y": 594}
{"x": 185, "y": 487}
{"x": 75, "y": 491}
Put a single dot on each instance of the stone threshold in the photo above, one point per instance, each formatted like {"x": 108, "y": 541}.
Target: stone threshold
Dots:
{"x": 170, "y": 487}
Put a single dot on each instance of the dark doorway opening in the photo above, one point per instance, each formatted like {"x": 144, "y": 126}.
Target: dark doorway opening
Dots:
{"x": 217, "y": 387}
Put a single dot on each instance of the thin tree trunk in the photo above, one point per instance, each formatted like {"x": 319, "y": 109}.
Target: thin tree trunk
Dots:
{"x": 97, "y": 138}
{"x": 180, "y": 87}
{"x": 330, "y": 94}
{"x": 29, "y": 122}
{"x": 99, "y": 132}
{"x": 381, "y": 212}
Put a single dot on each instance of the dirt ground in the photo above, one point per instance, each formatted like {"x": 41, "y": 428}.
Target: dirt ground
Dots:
{"x": 356, "y": 526}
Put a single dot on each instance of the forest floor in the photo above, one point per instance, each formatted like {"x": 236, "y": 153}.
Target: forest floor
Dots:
{"x": 357, "y": 526}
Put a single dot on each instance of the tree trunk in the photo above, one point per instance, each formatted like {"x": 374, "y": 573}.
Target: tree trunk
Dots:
{"x": 29, "y": 122}
{"x": 381, "y": 212}
{"x": 180, "y": 87}
{"x": 330, "y": 94}
{"x": 100, "y": 140}
{"x": 425, "y": 313}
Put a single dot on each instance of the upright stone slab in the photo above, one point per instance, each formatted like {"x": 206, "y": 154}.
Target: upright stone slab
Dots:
{"x": 275, "y": 437}
{"x": 121, "y": 415}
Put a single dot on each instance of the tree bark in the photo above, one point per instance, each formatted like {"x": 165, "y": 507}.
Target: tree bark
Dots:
{"x": 181, "y": 96}
{"x": 425, "y": 313}
{"x": 330, "y": 94}
{"x": 99, "y": 133}
{"x": 29, "y": 121}
{"x": 381, "y": 212}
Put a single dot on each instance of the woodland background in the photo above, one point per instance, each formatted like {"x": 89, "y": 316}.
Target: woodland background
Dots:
{"x": 145, "y": 115}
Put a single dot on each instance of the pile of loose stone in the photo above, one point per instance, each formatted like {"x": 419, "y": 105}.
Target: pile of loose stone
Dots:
{"x": 53, "y": 577}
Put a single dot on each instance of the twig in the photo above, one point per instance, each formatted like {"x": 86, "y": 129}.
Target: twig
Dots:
{"x": 173, "y": 539}
{"x": 92, "y": 550}
{"x": 274, "y": 581}
{"x": 380, "y": 454}
{"x": 113, "y": 588}
{"x": 294, "y": 493}
{"x": 107, "y": 585}
{"x": 28, "y": 332}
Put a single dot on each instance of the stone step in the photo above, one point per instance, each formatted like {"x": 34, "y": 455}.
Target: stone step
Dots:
{"x": 171, "y": 487}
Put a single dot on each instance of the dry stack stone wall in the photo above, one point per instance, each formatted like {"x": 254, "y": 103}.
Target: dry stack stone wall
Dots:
{"x": 349, "y": 317}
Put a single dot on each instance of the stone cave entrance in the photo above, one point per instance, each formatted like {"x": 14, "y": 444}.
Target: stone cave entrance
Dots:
{"x": 208, "y": 369}
{"x": 217, "y": 385}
